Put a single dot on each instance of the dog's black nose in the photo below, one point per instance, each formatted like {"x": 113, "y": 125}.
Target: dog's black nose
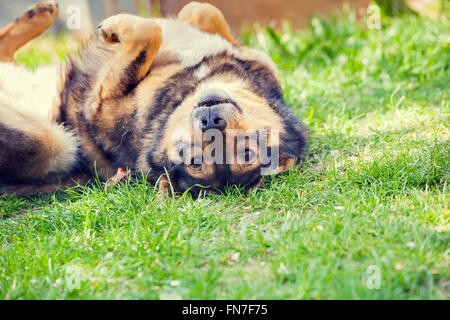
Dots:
{"x": 213, "y": 110}
{"x": 210, "y": 118}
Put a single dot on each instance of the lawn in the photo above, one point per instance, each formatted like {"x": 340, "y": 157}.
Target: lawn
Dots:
{"x": 365, "y": 216}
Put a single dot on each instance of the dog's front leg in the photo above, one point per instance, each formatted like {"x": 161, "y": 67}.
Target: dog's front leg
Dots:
{"x": 136, "y": 41}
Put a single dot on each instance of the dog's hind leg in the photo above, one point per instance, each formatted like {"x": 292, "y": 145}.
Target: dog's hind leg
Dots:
{"x": 30, "y": 25}
{"x": 32, "y": 149}
{"x": 207, "y": 18}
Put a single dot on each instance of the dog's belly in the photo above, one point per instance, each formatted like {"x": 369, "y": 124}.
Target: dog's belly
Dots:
{"x": 30, "y": 91}
{"x": 189, "y": 44}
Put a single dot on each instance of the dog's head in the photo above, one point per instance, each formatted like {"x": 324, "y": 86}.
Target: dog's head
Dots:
{"x": 230, "y": 127}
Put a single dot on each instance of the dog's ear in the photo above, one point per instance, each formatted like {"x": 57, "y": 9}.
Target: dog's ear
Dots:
{"x": 292, "y": 143}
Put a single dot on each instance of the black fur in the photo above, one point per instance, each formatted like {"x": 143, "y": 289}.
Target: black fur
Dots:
{"x": 129, "y": 78}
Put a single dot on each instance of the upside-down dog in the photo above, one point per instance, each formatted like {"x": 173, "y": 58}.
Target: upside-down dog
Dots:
{"x": 141, "y": 97}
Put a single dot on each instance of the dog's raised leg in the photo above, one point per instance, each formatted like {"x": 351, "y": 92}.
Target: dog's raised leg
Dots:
{"x": 207, "y": 18}
{"x": 30, "y": 25}
{"x": 136, "y": 42}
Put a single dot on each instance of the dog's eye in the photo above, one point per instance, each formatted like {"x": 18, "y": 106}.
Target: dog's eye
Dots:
{"x": 249, "y": 155}
{"x": 196, "y": 163}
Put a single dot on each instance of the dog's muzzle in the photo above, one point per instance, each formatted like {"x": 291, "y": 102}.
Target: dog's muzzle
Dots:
{"x": 213, "y": 110}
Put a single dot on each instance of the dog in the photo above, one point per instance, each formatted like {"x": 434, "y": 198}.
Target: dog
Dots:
{"x": 170, "y": 99}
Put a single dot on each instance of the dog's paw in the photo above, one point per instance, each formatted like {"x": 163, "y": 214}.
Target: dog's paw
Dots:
{"x": 118, "y": 28}
{"x": 43, "y": 13}
{"x": 126, "y": 28}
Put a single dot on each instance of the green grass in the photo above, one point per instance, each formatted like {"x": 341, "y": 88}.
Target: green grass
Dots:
{"x": 372, "y": 192}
